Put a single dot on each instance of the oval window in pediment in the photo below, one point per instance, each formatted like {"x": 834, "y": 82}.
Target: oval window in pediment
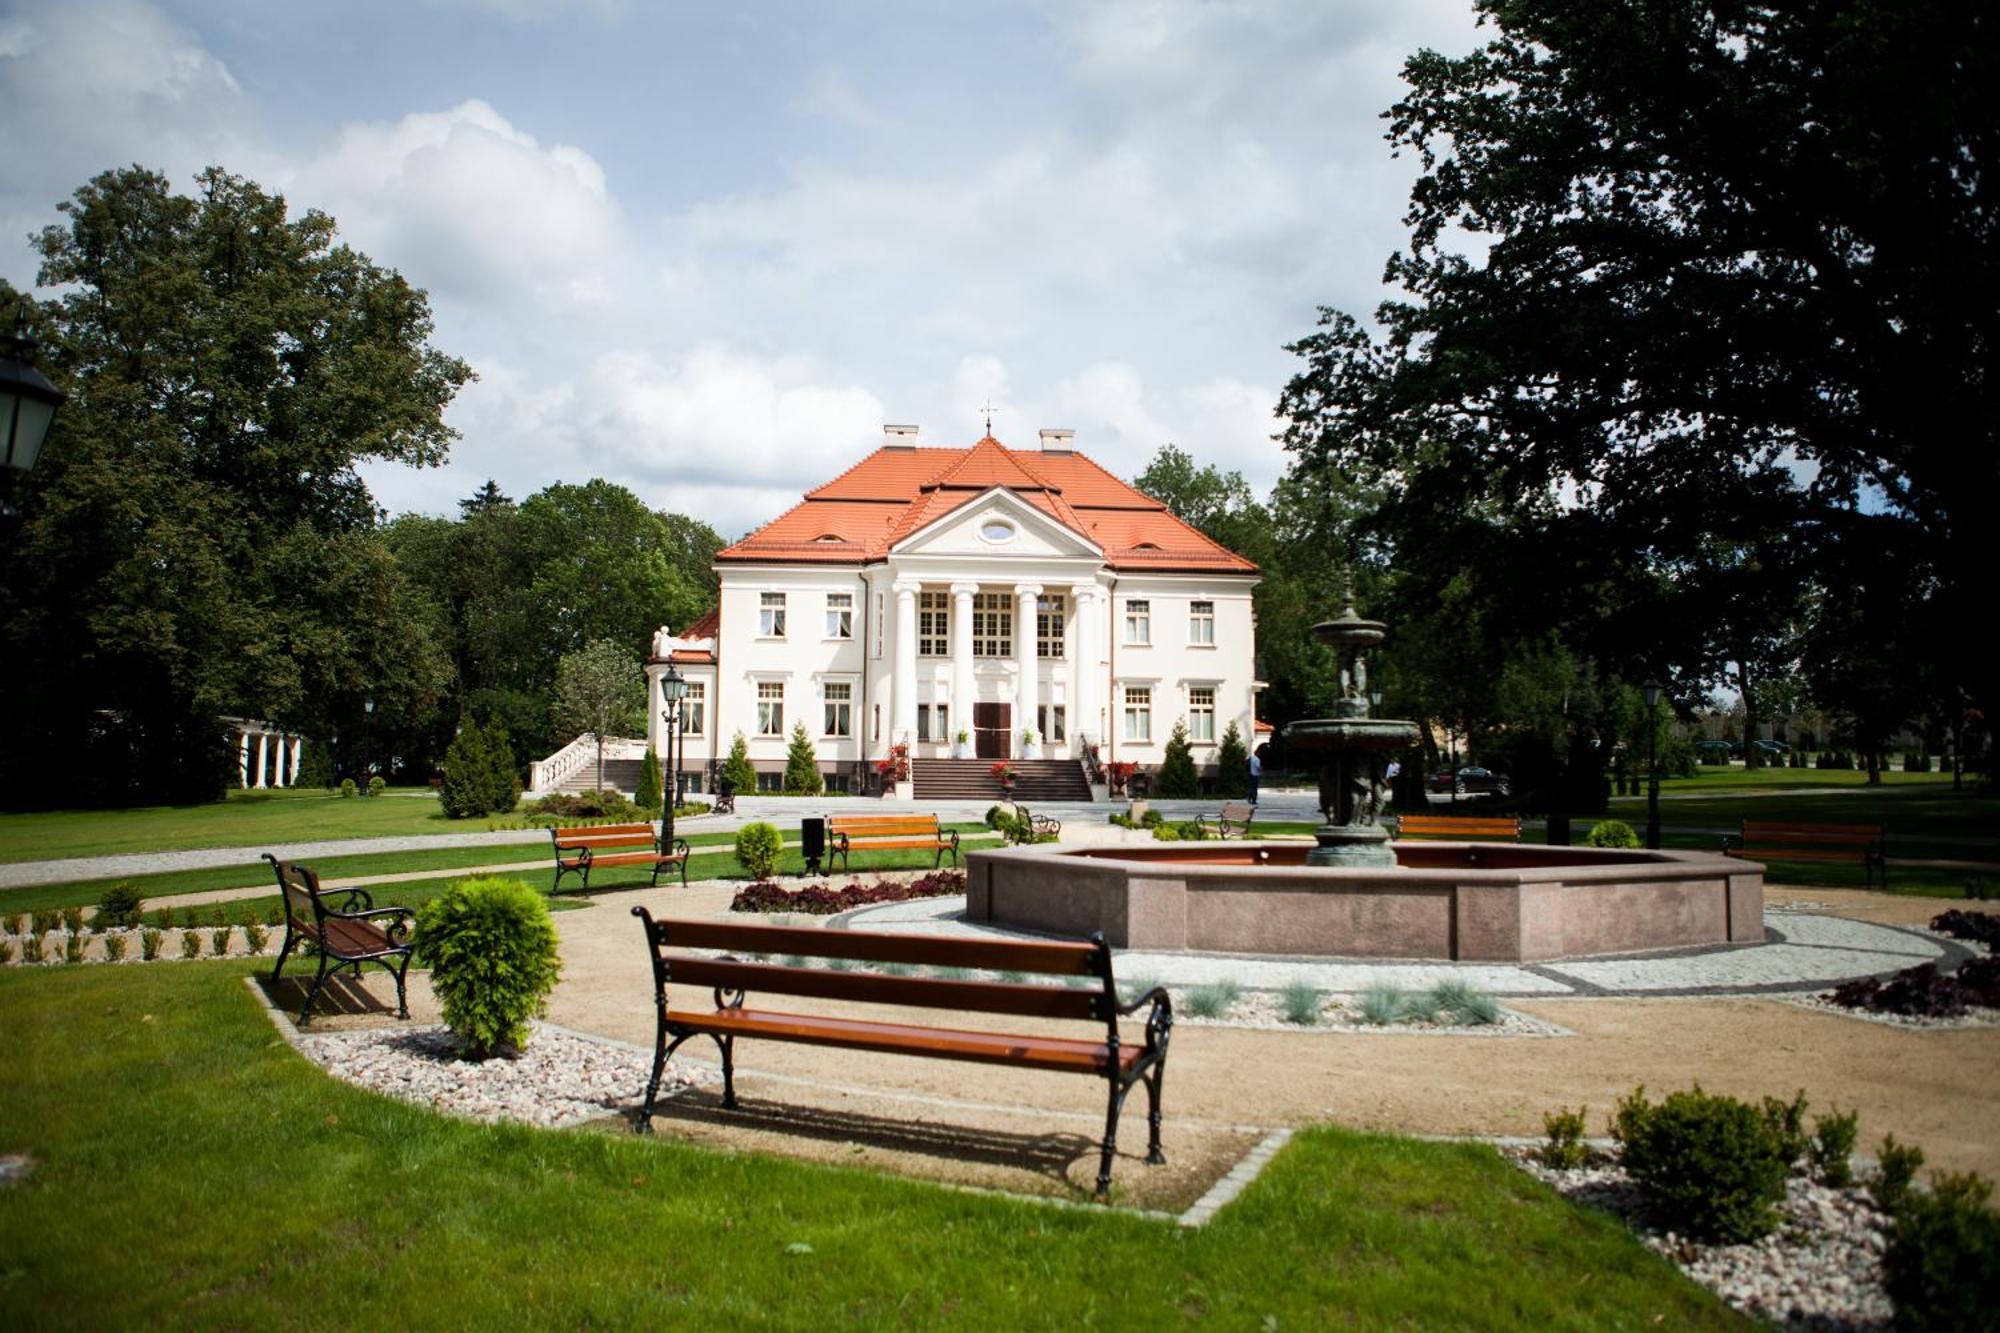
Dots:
{"x": 996, "y": 530}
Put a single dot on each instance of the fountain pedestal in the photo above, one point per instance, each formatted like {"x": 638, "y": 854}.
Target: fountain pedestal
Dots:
{"x": 1353, "y": 750}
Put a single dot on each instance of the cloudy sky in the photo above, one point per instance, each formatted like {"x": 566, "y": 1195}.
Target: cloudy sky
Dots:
{"x": 707, "y": 250}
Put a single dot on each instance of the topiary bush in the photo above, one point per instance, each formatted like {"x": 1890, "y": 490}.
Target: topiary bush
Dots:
{"x": 1611, "y": 833}
{"x": 650, "y": 794}
{"x": 491, "y": 948}
{"x": 1942, "y": 1267}
{"x": 119, "y": 906}
{"x": 1711, "y": 1167}
{"x": 347, "y": 788}
{"x": 757, "y": 849}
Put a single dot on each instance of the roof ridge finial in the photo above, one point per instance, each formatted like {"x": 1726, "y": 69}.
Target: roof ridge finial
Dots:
{"x": 988, "y": 410}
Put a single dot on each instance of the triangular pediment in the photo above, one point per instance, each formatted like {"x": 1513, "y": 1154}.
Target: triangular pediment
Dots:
{"x": 999, "y": 523}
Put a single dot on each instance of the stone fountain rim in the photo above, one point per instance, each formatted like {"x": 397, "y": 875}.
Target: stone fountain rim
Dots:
{"x": 1666, "y": 864}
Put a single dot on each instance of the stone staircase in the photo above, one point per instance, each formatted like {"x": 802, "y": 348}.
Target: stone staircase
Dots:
{"x": 1038, "y": 780}
{"x": 620, "y": 773}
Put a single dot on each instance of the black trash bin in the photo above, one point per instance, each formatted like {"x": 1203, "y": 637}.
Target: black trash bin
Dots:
{"x": 812, "y": 843}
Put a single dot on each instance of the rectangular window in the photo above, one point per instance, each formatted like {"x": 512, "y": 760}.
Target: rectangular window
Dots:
{"x": 770, "y": 708}
{"x": 1138, "y": 623}
{"x": 1138, "y": 713}
{"x": 877, "y": 723}
{"x": 923, "y": 722}
{"x": 770, "y": 782}
{"x": 839, "y": 708}
{"x": 1201, "y": 623}
{"x": 1201, "y": 713}
{"x": 1050, "y": 615}
{"x": 927, "y": 714}
{"x": 771, "y": 615}
{"x": 934, "y": 624}
{"x": 1051, "y": 719}
{"x": 694, "y": 709}
{"x": 993, "y": 625}
{"x": 840, "y": 615}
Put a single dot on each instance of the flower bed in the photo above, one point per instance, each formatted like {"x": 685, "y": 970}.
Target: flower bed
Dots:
{"x": 825, "y": 900}
{"x": 1925, "y": 992}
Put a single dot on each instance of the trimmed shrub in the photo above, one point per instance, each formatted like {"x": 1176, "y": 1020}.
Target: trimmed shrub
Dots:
{"x": 32, "y": 947}
{"x": 491, "y": 949}
{"x": 150, "y": 940}
{"x": 114, "y": 947}
{"x": 607, "y": 804}
{"x": 1564, "y": 1150}
{"x": 44, "y": 920}
{"x": 190, "y": 944}
{"x": 802, "y": 765}
{"x": 757, "y": 849}
{"x": 377, "y": 785}
{"x": 255, "y": 937}
{"x": 1833, "y": 1147}
{"x": 119, "y": 906}
{"x": 1943, "y": 1263}
{"x": 479, "y": 774}
{"x": 1896, "y": 1167}
{"x": 72, "y": 919}
{"x": 1712, "y": 1167}
{"x": 73, "y": 946}
{"x": 15, "y": 923}
{"x": 1611, "y": 833}
{"x": 218, "y": 941}
{"x": 650, "y": 792}
{"x": 1177, "y": 776}
{"x": 1788, "y": 1123}
{"x": 347, "y": 788}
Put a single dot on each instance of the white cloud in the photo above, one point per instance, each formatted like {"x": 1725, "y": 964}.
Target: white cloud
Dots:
{"x": 473, "y": 208}
{"x": 829, "y": 92}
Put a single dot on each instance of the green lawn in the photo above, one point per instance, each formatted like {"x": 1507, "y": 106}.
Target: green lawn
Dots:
{"x": 229, "y": 1183}
{"x": 1930, "y": 811}
{"x": 246, "y": 819}
{"x": 255, "y": 874}
{"x": 1786, "y": 779}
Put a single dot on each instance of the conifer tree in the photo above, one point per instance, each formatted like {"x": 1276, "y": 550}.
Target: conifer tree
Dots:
{"x": 1232, "y": 764}
{"x": 802, "y": 765}
{"x": 648, "y": 797}
{"x": 740, "y": 773}
{"x": 1177, "y": 776}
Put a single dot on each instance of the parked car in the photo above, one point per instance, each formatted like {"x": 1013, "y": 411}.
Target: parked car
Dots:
{"x": 1772, "y": 747}
{"x": 1704, "y": 749}
{"x": 1479, "y": 782}
{"x": 1441, "y": 781}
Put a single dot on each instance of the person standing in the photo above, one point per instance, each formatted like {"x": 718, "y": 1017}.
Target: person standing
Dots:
{"x": 1256, "y": 772}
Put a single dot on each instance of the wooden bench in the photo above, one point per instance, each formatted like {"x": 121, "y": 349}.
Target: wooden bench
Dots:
{"x": 581, "y": 850}
{"x": 347, "y": 936}
{"x": 1039, "y": 826}
{"x": 732, "y": 980}
{"x": 1460, "y": 828}
{"x": 1232, "y": 822}
{"x": 1763, "y": 840}
{"x": 871, "y": 832}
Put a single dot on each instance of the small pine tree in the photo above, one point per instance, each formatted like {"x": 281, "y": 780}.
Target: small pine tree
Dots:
{"x": 316, "y": 766}
{"x": 740, "y": 773}
{"x": 503, "y": 774}
{"x": 802, "y": 765}
{"x": 648, "y": 796}
{"x": 1177, "y": 776}
{"x": 1232, "y": 764}
{"x": 465, "y": 792}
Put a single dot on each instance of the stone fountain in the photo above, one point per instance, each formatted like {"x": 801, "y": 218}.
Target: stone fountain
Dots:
{"x": 1353, "y": 750}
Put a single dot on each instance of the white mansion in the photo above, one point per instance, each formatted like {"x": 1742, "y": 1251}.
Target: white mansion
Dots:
{"x": 982, "y": 602}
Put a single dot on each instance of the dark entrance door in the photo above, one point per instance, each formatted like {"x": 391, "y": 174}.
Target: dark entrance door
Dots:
{"x": 989, "y": 729}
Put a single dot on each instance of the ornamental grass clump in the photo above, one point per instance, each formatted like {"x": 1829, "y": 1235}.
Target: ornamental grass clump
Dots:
{"x": 1712, "y": 1167}
{"x": 1300, "y": 1003}
{"x": 1380, "y": 1005}
{"x": 491, "y": 948}
{"x": 1464, "y": 1004}
{"x": 1213, "y": 1000}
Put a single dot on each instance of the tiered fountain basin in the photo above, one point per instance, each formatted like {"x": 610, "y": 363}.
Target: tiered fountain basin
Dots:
{"x": 1481, "y": 902}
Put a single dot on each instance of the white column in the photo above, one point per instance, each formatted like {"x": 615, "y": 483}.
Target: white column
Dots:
{"x": 903, "y": 720}
{"x": 961, "y": 656}
{"x": 298, "y": 757}
{"x": 1083, "y": 670}
{"x": 242, "y": 758}
{"x": 1026, "y": 693}
{"x": 263, "y": 753}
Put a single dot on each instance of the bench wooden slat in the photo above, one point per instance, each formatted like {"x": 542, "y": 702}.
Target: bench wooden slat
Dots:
{"x": 581, "y": 849}
{"x": 1773, "y": 840}
{"x": 985, "y": 997}
{"x": 1458, "y": 826}
{"x": 1761, "y": 827}
{"x": 347, "y": 937}
{"x": 1063, "y": 1053}
{"x": 1051, "y": 958}
{"x": 882, "y": 826}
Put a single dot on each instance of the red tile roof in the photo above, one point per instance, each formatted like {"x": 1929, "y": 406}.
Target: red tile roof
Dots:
{"x": 861, "y": 514}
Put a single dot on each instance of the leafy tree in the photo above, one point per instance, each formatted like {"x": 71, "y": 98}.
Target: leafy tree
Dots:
{"x": 649, "y": 795}
{"x": 1726, "y": 290}
{"x": 600, "y": 568}
{"x": 197, "y": 540}
{"x": 1232, "y": 763}
{"x": 600, "y": 689}
{"x": 737, "y": 768}
{"x": 801, "y": 765}
{"x": 1177, "y": 775}
{"x": 316, "y": 765}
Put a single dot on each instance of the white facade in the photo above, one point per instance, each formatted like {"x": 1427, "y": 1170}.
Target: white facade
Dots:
{"x": 926, "y": 640}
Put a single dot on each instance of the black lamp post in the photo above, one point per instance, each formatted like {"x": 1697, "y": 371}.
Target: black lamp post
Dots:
{"x": 28, "y": 404}
{"x": 1651, "y": 692}
{"x": 367, "y": 738}
{"x": 673, "y": 689}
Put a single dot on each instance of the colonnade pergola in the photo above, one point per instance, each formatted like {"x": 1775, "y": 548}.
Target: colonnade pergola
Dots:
{"x": 278, "y": 752}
